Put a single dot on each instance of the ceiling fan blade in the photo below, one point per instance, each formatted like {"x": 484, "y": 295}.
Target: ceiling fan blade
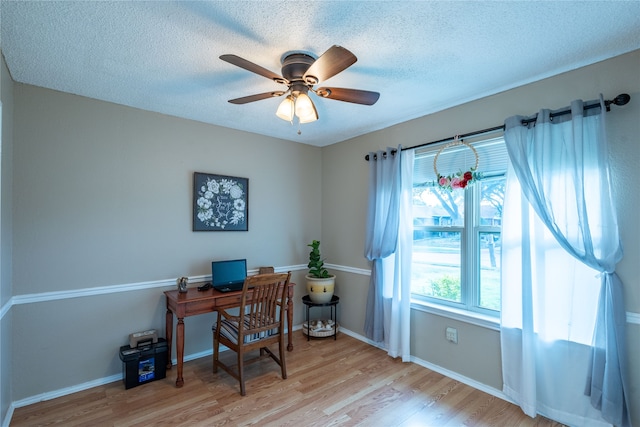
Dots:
{"x": 254, "y": 68}
{"x": 258, "y": 97}
{"x": 355, "y": 96}
{"x": 330, "y": 63}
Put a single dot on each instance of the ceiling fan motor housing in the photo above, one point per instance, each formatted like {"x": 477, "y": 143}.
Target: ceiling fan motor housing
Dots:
{"x": 295, "y": 65}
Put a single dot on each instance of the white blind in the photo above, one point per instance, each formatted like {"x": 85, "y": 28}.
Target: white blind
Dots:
{"x": 492, "y": 155}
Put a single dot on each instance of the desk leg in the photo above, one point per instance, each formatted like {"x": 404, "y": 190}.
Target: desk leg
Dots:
{"x": 169, "y": 330}
{"x": 180, "y": 350}
{"x": 290, "y": 318}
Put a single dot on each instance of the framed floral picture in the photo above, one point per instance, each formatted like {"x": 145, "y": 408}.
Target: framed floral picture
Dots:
{"x": 220, "y": 203}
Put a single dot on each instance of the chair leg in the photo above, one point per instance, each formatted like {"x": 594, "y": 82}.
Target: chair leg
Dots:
{"x": 241, "y": 372}
{"x": 216, "y": 345}
{"x": 283, "y": 365}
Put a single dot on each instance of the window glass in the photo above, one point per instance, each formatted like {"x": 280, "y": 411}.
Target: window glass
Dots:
{"x": 436, "y": 265}
{"x": 490, "y": 271}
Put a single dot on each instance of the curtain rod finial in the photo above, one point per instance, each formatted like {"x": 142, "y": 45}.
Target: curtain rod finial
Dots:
{"x": 619, "y": 100}
{"x": 622, "y": 99}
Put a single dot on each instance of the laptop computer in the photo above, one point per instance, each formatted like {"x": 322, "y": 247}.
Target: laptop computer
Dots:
{"x": 227, "y": 276}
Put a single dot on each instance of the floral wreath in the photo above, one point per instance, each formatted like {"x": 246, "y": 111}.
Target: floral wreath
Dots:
{"x": 459, "y": 179}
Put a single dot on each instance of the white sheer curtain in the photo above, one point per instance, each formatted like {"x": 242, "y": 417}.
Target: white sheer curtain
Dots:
{"x": 388, "y": 245}
{"x": 562, "y": 326}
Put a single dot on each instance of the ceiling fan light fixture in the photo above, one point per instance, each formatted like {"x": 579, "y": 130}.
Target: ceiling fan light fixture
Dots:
{"x": 304, "y": 109}
{"x": 286, "y": 109}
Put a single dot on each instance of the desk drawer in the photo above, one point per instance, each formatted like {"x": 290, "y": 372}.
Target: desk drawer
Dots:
{"x": 231, "y": 300}
{"x": 199, "y": 307}
{"x": 209, "y": 305}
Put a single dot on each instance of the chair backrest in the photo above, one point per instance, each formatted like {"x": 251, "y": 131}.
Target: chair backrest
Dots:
{"x": 261, "y": 296}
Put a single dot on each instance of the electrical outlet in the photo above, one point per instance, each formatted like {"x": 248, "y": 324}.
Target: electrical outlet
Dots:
{"x": 452, "y": 335}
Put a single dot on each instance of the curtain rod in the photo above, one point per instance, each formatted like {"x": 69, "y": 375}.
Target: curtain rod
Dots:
{"x": 621, "y": 99}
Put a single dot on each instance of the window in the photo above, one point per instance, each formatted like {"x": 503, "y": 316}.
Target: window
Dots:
{"x": 456, "y": 234}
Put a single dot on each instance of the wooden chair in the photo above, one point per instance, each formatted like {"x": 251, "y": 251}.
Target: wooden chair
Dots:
{"x": 263, "y": 303}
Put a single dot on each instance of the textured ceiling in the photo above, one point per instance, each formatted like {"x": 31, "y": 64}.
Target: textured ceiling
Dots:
{"x": 421, "y": 56}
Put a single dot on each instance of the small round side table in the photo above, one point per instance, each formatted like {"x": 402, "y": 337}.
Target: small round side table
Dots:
{"x": 333, "y": 304}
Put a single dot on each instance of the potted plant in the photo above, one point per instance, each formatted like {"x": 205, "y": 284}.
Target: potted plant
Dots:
{"x": 320, "y": 284}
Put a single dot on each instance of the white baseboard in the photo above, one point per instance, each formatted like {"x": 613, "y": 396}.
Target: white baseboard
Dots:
{"x": 439, "y": 369}
{"x": 7, "y": 419}
{"x": 65, "y": 391}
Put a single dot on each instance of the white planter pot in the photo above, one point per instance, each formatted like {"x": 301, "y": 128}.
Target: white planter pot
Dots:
{"x": 320, "y": 290}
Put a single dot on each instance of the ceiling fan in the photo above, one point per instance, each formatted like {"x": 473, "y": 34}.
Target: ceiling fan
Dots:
{"x": 300, "y": 73}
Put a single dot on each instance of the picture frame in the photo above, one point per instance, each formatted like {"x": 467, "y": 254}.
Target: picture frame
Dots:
{"x": 220, "y": 202}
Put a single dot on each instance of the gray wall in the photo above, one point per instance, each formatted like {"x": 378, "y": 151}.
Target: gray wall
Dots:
{"x": 344, "y": 184}
{"x": 102, "y": 198}
{"x": 6, "y": 232}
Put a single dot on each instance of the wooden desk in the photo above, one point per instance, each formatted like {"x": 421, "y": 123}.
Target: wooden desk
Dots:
{"x": 195, "y": 302}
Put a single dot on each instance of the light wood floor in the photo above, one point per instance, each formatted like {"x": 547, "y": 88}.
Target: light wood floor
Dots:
{"x": 330, "y": 383}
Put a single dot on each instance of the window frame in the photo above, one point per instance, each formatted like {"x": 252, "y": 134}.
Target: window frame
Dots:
{"x": 469, "y": 308}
